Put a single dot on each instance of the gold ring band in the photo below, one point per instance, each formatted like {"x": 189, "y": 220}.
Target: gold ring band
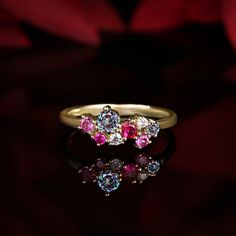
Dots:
{"x": 166, "y": 118}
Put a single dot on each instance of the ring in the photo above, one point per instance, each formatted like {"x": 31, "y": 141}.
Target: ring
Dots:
{"x": 116, "y": 123}
{"x": 108, "y": 170}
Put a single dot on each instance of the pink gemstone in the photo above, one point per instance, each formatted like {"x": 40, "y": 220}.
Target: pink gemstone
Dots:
{"x": 142, "y": 159}
{"x": 130, "y": 171}
{"x": 129, "y": 130}
{"x": 100, "y": 164}
{"x": 142, "y": 141}
{"x": 88, "y": 175}
{"x": 87, "y": 124}
{"x": 100, "y": 138}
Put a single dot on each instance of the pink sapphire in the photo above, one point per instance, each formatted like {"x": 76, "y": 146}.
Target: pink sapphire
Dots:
{"x": 87, "y": 174}
{"x": 130, "y": 171}
{"x": 129, "y": 130}
{"x": 100, "y": 138}
{"x": 142, "y": 159}
{"x": 142, "y": 141}
{"x": 100, "y": 164}
{"x": 87, "y": 124}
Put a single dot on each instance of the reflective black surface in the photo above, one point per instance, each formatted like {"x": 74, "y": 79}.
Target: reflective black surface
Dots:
{"x": 190, "y": 71}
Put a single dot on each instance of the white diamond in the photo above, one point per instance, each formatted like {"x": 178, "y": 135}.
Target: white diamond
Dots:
{"x": 143, "y": 175}
{"x": 142, "y": 122}
{"x": 115, "y": 139}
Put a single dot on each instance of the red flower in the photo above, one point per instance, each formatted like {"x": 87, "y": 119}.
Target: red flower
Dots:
{"x": 158, "y": 15}
{"x": 76, "y": 20}
{"x": 83, "y": 20}
{"x": 10, "y": 33}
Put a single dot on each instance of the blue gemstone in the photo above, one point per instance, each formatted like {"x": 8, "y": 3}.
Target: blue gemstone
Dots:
{"x": 153, "y": 167}
{"x": 108, "y": 181}
{"x": 108, "y": 121}
{"x": 153, "y": 129}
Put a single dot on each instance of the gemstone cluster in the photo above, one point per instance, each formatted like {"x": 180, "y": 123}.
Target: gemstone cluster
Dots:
{"x": 109, "y": 175}
{"x": 108, "y": 127}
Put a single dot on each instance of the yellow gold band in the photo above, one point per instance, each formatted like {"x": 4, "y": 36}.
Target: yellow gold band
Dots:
{"x": 165, "y": 117}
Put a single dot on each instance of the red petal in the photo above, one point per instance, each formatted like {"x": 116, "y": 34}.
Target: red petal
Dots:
{"x": 158, "y": 15}
{"x": 12, "y": 36}
{"x": 6, "y": 17}
{"x": 204, "y": 11}
{"x": 229, "y": 18}
{"x": 58, "y": 17}
{"x": 102, "y": 15}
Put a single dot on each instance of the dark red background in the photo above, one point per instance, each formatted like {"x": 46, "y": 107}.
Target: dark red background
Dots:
{"x": 190, "y": 70}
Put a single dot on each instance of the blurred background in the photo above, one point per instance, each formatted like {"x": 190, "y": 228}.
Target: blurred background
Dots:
{"x": 178, "y": 54}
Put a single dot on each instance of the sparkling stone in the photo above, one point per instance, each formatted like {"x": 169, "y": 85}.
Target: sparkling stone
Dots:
{"x": 116, "y": 164}
{"x": 142, "y": 159}
{"x": 108, "y": 120}
{"x": 87, "y": 174}
{"x": 130, "y": 171}
{"x": 142, "y": 122}
{"x": 100, "y": 164}
{"x": 129, "y": 130}
{"x": 87, "y": 124}
{"x": 143, "y": 175}
{"x": 115, "y": 139}
{"x": 142, "y": 141}
{"x": 108, "y": 181}
{"x": 153, "y": 129}
{"x": 100, "y": 138}
{"x": 153, "y": 167}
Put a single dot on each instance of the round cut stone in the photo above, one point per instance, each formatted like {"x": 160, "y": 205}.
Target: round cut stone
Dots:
{"x": 129, "y": 130}
{"x": 100, "y": 138}
{"x": 108, "y": 181}
{"x": 100, "y": 164}
{"x": 142, "y": 122}
{"x": 130, "y": 171}
{"x": 87, "y": 124}
{"x": 115, "y": 139}
{"x": 153, "y": 167}
{"x": 143, "y": 175}
{"x": 108, "y": 120}
{"x": 116, "y": 164}
{"x": 142, "y": 141}
{"x": 142, "y": 159}
{"x": 153, "y": 129}
{"x": 87, "y": 174}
